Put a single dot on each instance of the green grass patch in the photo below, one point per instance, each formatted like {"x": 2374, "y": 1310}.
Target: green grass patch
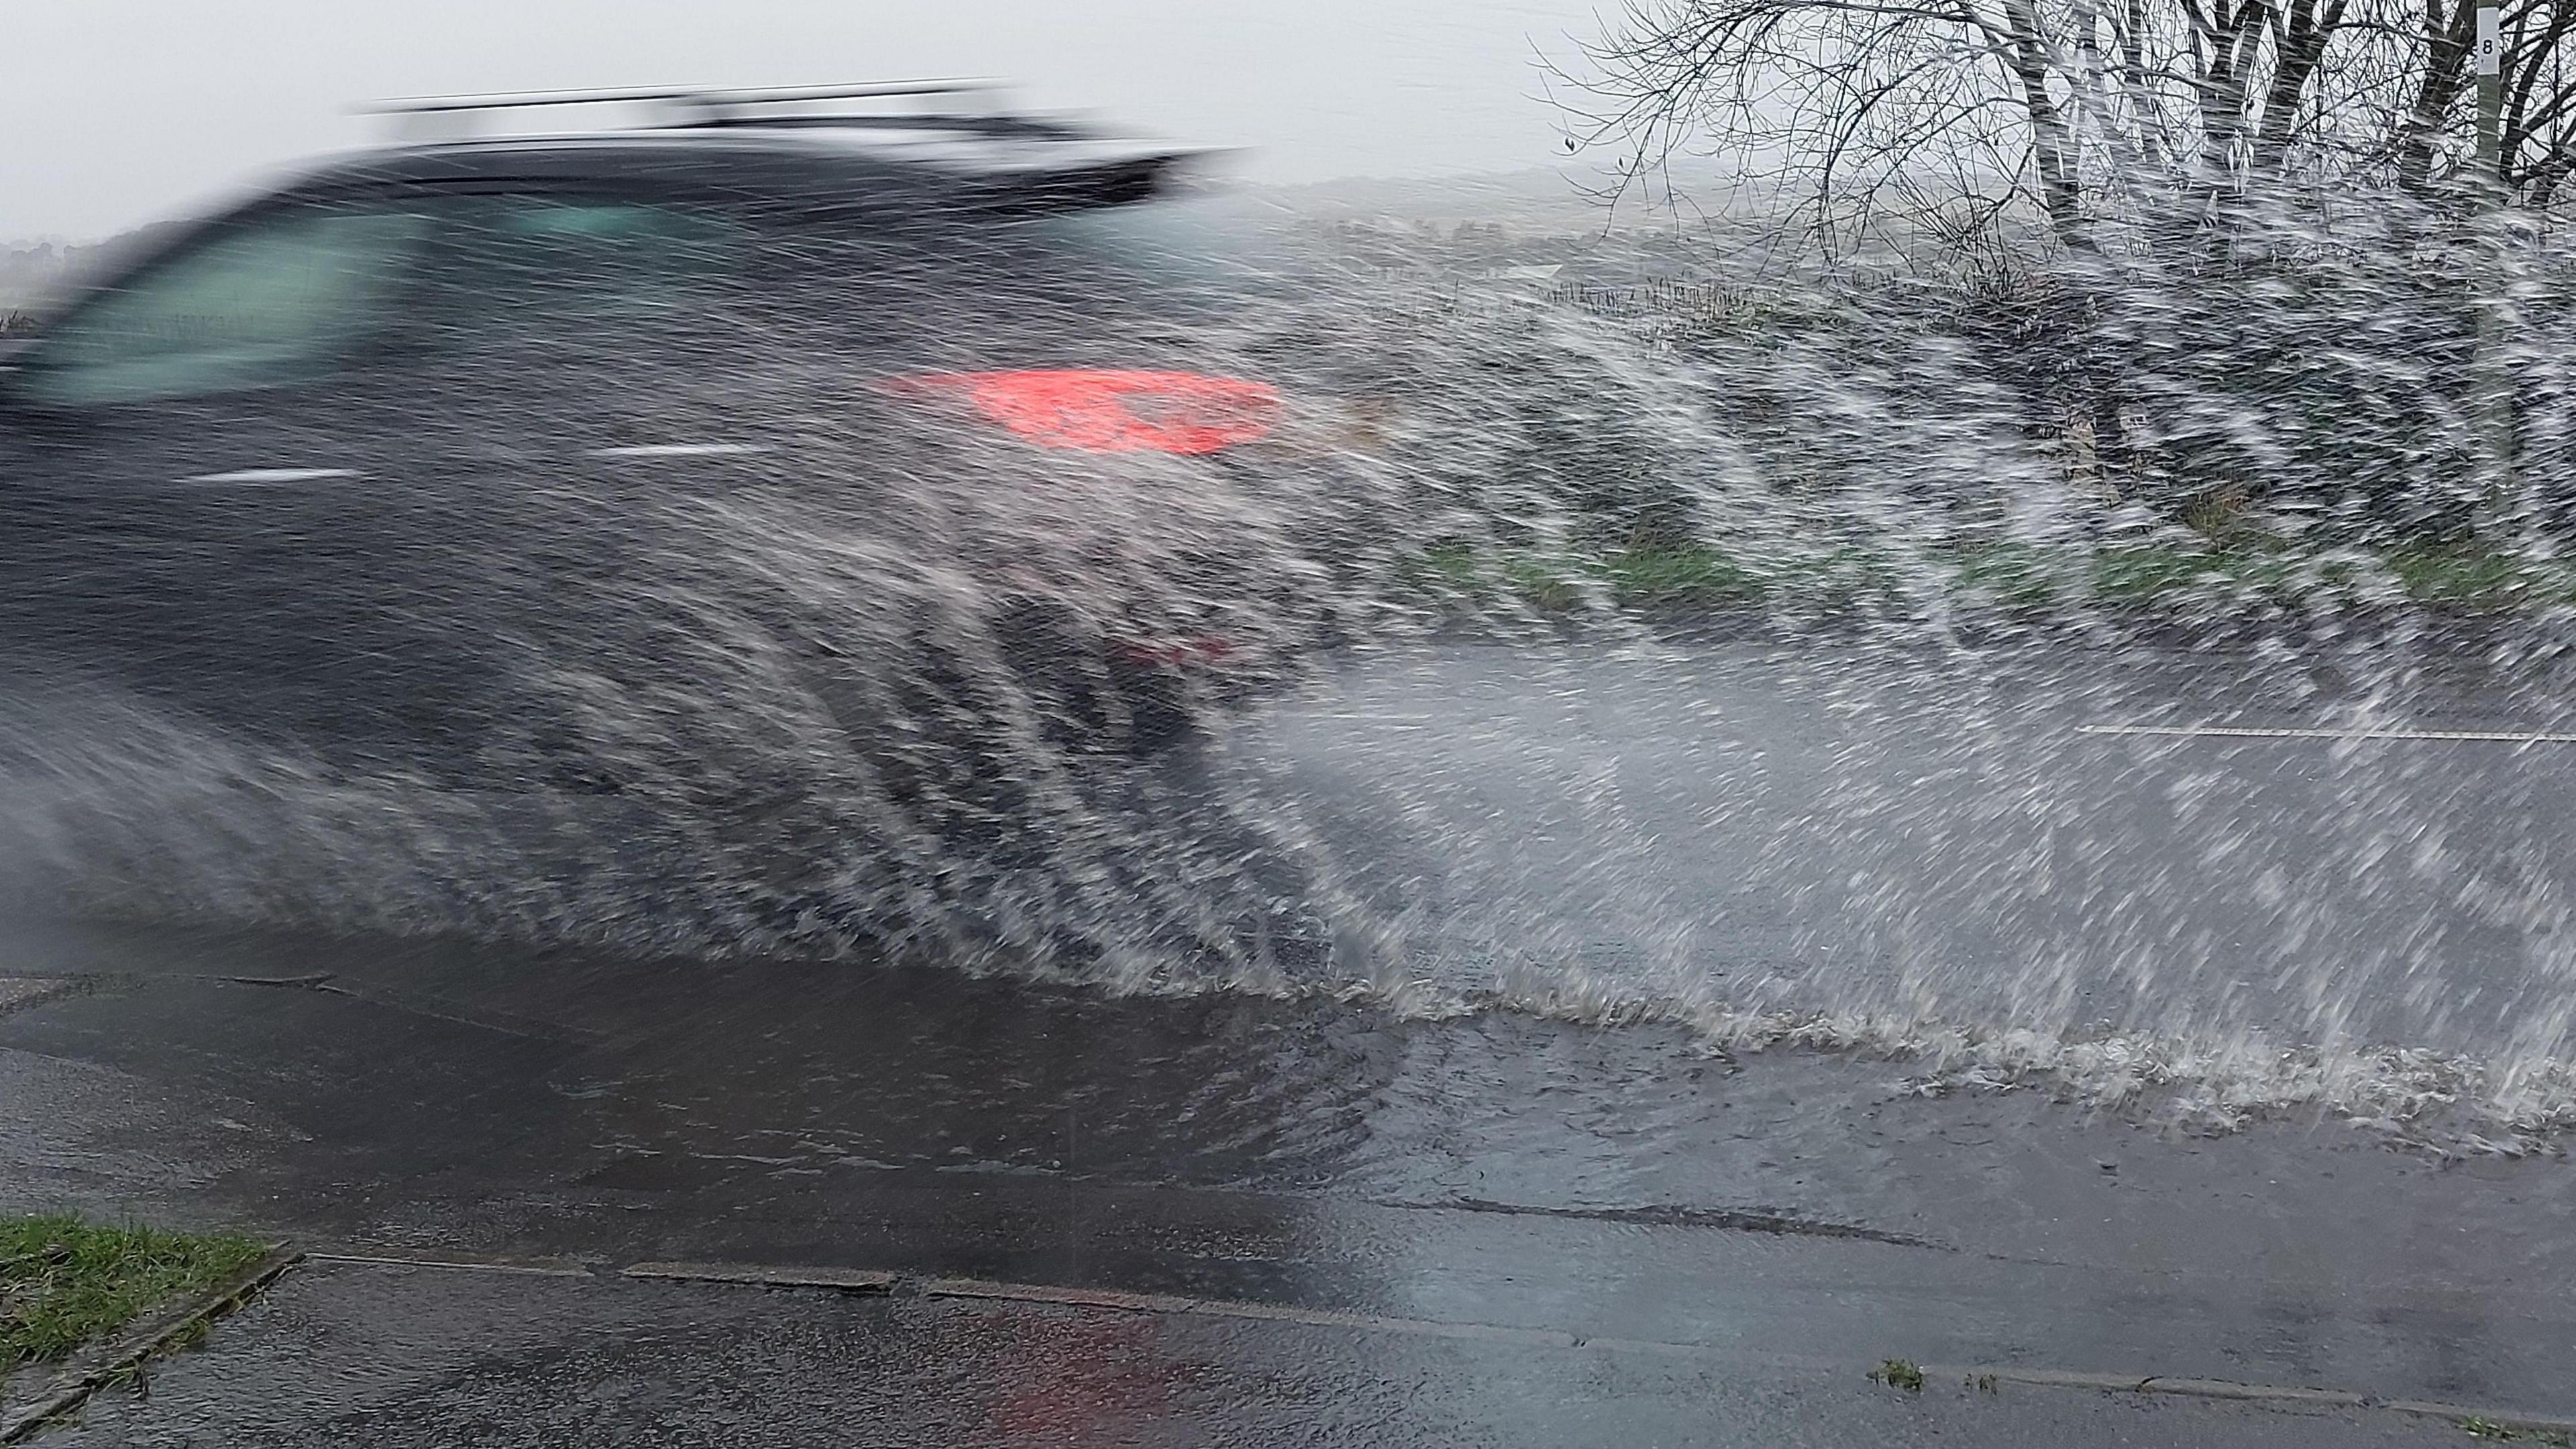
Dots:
{"x": 1699, "y": 575}
{"x": 2484, "y": 1428}
{"x": 64, "y": 1282}
{"x": 2146, "y": 577}
{"x": 1899, "y": 1373}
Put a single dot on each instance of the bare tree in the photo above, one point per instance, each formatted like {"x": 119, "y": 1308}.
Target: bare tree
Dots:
{"x": 1834, "y": 102}
{"x": 2302, "y": 35}
{"x": 2441, "y": 80}
{"x": 2085, "y": 112}
{"x": 2536, "y": 140}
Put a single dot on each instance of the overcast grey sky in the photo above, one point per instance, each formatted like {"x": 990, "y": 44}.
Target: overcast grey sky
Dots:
{"x": 116, "y": 111}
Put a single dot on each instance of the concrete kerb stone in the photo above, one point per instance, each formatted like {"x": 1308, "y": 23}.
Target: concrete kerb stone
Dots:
{"x": 846, "y": 1280}
{"x": 465, "y": 1263}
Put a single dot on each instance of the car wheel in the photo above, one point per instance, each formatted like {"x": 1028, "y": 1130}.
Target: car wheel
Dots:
{"x": 1089, "y": 701}
{"x": 1160, "y": 713}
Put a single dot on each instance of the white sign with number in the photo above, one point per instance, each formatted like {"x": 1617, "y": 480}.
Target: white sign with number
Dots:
{"x": 2490, "y": 42}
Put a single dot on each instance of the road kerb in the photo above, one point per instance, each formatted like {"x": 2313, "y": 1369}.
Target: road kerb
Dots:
{"x": 138, "y": 1342}
{"x": 455, "y": 1263}
{"x": 847, "y": 1280}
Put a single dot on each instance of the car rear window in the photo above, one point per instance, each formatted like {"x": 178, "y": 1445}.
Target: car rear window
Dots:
{"x": 1196, "y": 251}
{"x": 517, "y": 263}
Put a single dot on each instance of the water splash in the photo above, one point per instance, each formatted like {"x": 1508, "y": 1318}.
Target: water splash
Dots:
{"x": 1729, "y": 665}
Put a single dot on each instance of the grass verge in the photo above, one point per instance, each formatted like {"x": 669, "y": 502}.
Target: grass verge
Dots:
{"x": 65, "y": 1283}
{"x": 2144, "y": 578}
{"x": 1899, "y": 1373}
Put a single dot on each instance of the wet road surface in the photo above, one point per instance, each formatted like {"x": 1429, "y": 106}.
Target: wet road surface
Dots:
{"x": 1498, "y": 1170}
{"x": 363, "y": 1354}
{"x": 1729, "y": 829}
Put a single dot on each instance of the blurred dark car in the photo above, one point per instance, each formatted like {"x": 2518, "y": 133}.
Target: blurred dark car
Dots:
{"x": 349, "y": 464}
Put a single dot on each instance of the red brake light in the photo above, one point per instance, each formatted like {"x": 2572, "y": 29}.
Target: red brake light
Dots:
{"x": 1113, "y": 411}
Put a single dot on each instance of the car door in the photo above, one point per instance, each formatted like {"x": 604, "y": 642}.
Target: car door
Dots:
{"x": 191, "y": 452}
{"x": 310, "y": 477}
{"x": 573, "y": 421}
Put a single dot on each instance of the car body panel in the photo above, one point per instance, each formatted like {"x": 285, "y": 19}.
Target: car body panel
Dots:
{"x": 367, "y": 558}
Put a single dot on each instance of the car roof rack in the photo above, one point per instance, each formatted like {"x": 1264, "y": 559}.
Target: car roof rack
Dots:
{"x": 705, "y": 108}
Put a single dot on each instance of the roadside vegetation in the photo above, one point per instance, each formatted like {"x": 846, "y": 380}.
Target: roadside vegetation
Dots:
{"x": 2295, "y": 423}
{"x": 1899, "y": 1373}
{"x": 2480, "y": 1427}
{"x": 65, "y": 1283}
{"x": 1705, "y": 579}
{"x": 2230, "y": 302}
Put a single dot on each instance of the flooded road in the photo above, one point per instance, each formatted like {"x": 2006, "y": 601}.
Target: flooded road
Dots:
{"x": 2177, "y": 864}
{"x": 431, "y": 1098}
{"x": 1691, "y": 992}
{"x": 858, "y": 681}
{"x": 2336, "y": 878}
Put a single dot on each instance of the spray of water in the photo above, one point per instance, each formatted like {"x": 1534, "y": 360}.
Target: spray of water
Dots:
{"x": 1781, "y": 661}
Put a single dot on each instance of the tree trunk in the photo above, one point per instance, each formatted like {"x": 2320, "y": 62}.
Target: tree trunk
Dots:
{"x": 2149, "y": 116}
{"x": 2299, "y": 41}
{"x": 2227, "y": 41}
{"x": 2447, "y": 40}
{"x": 2052, "y": 146}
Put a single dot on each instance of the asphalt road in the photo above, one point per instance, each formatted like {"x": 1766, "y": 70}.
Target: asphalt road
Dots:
{"x": 1819, "y": 834}
{"x": 365, "y": 1354}
{"x": 437, "y": 1098}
